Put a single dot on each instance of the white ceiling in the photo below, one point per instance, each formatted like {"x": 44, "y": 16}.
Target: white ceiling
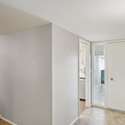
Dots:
{"x": 93, "y": 19}
{"x": 13, "y": 20}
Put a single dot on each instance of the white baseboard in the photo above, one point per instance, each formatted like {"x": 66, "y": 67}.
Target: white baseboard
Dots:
{"x": 6, "y": 120}
{"x": 74, "y": 121}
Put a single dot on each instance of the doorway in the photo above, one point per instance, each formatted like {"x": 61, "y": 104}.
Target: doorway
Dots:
{"x": 98, "y": 89}
{"x": 105, "y": 87}
{"x": 84, "y": 75}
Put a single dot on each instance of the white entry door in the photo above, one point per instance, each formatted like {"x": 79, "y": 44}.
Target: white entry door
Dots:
{"x": 115, "y": 66}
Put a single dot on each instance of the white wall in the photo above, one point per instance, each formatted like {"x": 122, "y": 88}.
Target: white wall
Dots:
{"x": 115, "y": 62}
{"x": 38, "y": 71}
{"x": 65, "y": 76}
{"x": 25, "y": 76}
{"x": 82, "y": 86}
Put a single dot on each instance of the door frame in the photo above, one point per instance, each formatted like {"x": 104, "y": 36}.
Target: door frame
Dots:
{"x": 89, "y": 102}
{"x": 93, "y": 73}
{"x": 105, "y": 43}
{"x": 91, "y": 77}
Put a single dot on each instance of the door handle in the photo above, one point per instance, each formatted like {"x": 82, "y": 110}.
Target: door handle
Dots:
{"x": 112, "y": 79}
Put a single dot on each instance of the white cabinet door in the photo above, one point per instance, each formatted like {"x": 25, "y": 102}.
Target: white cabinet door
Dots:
{"x": 115, "y": 65}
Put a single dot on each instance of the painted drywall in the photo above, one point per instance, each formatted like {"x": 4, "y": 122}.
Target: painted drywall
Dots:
{"x": 96, "y": 20}
{"x": 13, "y": 20}
{"x": 3, "y": 73}
{"x": 65, "y": 76}
{"x": 115, "y": 89}
{"x": 39, "y": 71}
{"x": 25, "y": 76}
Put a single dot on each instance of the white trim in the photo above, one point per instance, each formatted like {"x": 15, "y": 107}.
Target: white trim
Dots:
{"x": 110, "y": 41}
{"x": 93, "y": 72}
{"x": 84, "y": 39}
{"x": 6, "y": 120}
{"x": 92, "y": 77}
{"x": 106, "y": 76}
{"x": 105, "y": 41}
{"x": 89, "y": 101}
{"x": 84, "y": 42}
{"x": 74, "y": 121}
{"x": 107, "y": 108}
{"x": 78, "y": 103}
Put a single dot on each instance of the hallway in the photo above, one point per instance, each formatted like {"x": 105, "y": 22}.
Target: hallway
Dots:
{"x": 96, "y": 116}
